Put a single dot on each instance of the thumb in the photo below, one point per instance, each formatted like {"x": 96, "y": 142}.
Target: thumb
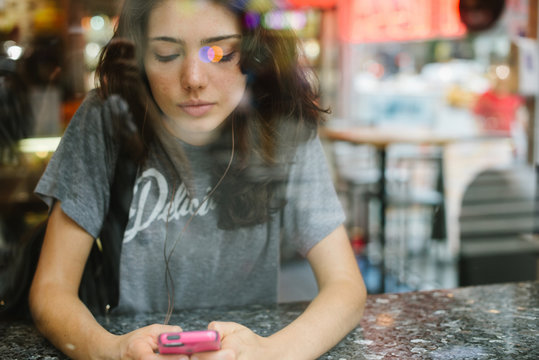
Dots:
{"x": 157, "y": 329}
{"x": 224, "y": 328}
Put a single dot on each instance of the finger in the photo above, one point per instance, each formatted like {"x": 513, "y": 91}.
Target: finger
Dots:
{"x": 170, "y": 357}
{"x": 164, "y": 357}
{"x": 225, "y": 354}
{"x": 151, "y": 334}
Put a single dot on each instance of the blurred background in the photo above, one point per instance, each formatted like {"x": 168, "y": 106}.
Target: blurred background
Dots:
{"x": 432, "y": 139}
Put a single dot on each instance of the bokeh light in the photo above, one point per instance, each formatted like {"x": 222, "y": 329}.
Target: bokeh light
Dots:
{"x": 12, "y": 50}
{"x": 312, "y": 48}
{"x": 502, "y": 71}
{"x": 97, "y": 23}
{"x": 252, "y": 20}
{"x": 281, "y": 19}
{"x": 92, "y": 50}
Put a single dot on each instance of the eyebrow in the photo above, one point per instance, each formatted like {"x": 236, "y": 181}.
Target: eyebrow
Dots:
{"x": 203, "y": 41}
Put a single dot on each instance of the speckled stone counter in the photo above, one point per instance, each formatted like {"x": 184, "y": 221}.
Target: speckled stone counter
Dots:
{"x": 482, "y": 322}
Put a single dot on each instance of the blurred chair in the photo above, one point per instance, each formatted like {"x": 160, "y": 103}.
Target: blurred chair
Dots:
{"x": 414, "y": 187}
{"x": 356, "y": 175}
{"x": 497, "y": 227}
{"x": 418, "y": 207}
{"x": 422, "y": 167}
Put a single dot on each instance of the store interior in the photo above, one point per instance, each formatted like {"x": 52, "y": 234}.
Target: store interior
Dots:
{"x": 452, "y": 213}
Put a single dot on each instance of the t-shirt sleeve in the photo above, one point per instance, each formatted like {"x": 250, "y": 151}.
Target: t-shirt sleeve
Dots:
{"x": 79, "y": 172}
{"x": 313, "y": 209}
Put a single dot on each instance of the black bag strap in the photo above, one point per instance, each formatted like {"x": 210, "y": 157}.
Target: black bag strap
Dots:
{"x": 99, "y": 288}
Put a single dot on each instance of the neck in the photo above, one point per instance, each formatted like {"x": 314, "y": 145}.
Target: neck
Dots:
{"x": 195, "y": 138}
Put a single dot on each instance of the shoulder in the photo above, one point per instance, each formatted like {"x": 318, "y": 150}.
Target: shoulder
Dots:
{"x": 309, "y": 161}
{"x": 89, "y": 110}
{"x": 92, "y": 100}
{"x": 308, "y": 147}
{"x": 95, "y": 114}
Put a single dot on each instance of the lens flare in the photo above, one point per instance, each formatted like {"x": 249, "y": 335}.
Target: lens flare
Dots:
{"x": 212, "y": 54}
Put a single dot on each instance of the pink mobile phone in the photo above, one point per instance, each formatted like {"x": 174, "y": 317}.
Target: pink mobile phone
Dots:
{"x": 188, "y": 342}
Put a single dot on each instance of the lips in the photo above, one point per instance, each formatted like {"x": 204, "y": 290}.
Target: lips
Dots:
{"x": 196, "y": 108}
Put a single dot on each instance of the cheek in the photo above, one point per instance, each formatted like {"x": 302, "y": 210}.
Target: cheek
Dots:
{"x": 160, "y": 84}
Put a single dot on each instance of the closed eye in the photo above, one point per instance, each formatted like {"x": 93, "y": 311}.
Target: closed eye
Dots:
{"x": 166, "y": 58}
{"x": 228, "y": 57}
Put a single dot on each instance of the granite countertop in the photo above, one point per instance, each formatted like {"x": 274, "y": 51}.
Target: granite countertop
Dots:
{"x": 481, "y": 322}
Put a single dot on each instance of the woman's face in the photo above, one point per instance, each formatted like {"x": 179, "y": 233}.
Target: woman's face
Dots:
{"x": 192, "y": 65}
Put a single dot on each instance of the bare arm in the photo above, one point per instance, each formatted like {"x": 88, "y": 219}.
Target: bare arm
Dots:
{"x": 59, "y": 313}
{"x": 338, "y": 307}
{"x": 334, "y": 312}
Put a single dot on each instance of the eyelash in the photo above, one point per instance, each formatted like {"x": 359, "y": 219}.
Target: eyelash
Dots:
{"x": 228, "y": 57}
{"x": 165, "y": 59}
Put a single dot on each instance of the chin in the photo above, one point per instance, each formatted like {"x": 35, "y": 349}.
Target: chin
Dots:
{"x": 207, "y": 132}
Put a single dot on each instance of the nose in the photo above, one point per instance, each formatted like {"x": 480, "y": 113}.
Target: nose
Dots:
{"x": 193, "y": 74}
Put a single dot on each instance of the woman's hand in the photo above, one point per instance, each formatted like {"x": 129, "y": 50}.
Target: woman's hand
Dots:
{"x": 237, "y": 343}
{"x": 141, "y": 344}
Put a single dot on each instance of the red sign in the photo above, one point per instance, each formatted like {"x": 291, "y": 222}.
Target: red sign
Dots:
{"x": 362, "y": 21}
{"x": 322, "y": 4}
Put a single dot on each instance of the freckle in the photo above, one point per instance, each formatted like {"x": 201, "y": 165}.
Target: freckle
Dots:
{"x": 71, "y": 347}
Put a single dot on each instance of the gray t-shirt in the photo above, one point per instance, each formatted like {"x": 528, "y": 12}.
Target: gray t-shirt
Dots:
{"x": 210, "y": 266}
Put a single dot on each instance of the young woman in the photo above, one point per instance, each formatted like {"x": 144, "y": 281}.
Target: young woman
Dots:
{"x": 230, "y": 170}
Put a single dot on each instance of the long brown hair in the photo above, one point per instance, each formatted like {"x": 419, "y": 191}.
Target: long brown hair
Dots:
{"x": 282, "y": 110}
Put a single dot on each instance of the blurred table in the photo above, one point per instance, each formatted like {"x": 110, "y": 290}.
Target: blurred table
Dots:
{"x": 481, "y": 322}
{"x": 383, "y": 137}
